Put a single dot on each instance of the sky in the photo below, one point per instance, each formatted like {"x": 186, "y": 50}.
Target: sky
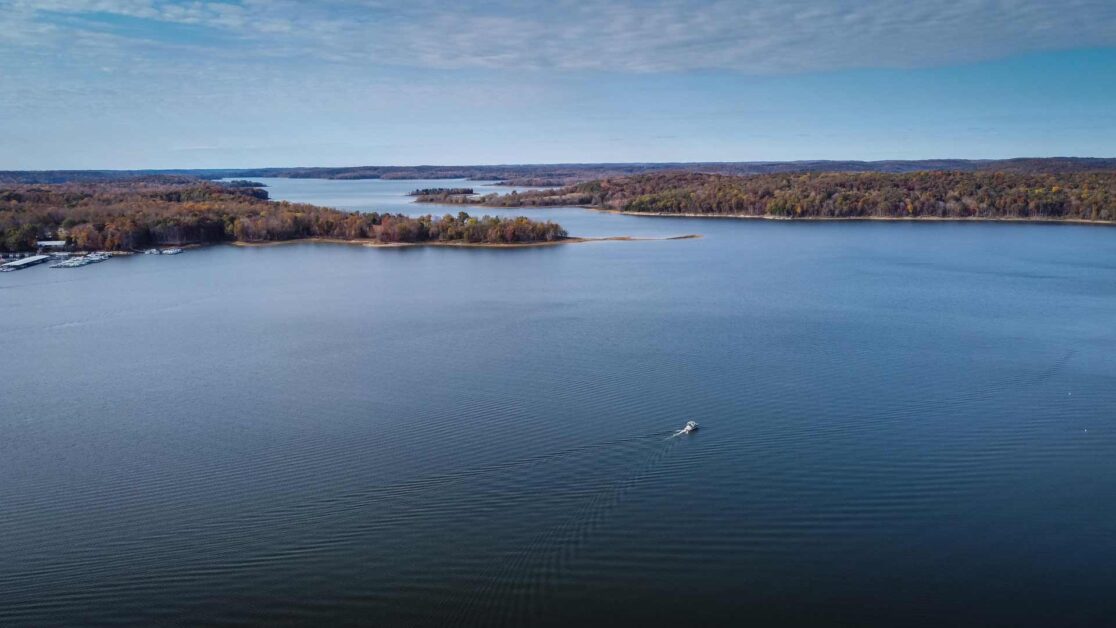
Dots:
{"x": 251, "y": 83}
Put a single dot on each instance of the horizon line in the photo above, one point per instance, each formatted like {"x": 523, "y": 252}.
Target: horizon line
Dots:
{"x": 580, "y": 163}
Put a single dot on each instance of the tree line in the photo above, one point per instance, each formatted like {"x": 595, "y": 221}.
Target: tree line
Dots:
{"x": 135, "y": 215}
{"x": 426, "y": 193}
{"x": 567, "y": 174}
{"x": 929, "y": 194}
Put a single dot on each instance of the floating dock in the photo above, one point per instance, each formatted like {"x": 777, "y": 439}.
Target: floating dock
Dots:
{"x": 20, "y": 264}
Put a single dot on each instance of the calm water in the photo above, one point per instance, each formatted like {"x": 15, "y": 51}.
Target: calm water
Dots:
{"x": 900, "y": 424}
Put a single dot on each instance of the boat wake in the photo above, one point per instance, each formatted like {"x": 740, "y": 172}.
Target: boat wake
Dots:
{"x": 516, "y": 590}
{"x": 690, "y": 427}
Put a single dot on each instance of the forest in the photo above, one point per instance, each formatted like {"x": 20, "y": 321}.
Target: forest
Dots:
{"x": 928, "y": 194}
{"x": 157, "y": 211}
{"x": 536, "y": 175}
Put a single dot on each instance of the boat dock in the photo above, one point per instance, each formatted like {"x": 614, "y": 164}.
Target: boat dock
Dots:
{"x": 26, "y": 262}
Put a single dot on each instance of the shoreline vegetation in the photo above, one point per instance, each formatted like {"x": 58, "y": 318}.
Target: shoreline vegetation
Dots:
{"x": 175, "y": 210}
{"x": 155, "y": 212}
{"x": 1082, "y": 197}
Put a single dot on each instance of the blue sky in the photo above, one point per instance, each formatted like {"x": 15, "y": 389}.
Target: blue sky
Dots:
{"x": 162, "y": 84}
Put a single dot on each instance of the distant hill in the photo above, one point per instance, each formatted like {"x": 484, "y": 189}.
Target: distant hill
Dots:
{"x": 564, "y": 174}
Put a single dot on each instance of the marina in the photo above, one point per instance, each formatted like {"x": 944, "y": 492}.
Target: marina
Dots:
{"x": 82, "y": 260}
{"x": 72, "y": 260}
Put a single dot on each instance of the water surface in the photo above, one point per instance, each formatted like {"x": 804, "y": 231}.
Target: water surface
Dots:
{"x": 901, "y": 424}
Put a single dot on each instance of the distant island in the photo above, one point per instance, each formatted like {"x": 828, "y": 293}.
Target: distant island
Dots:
{"x": 431, "y": 193}
{"x": 158, "y": 211}
{"x": 1075, "y": 196}
{"x": 242, "y": 183}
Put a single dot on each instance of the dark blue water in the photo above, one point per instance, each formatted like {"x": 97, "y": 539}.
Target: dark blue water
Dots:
{"x": 901, "y": 424}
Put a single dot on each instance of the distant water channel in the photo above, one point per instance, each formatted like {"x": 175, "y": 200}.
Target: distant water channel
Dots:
{"x": 900, "y": 424}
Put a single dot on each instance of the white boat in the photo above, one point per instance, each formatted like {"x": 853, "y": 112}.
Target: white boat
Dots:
{"x": 171, "y": 251}
{"x": 691, "y": 426}
{"x": 151, "y": 252}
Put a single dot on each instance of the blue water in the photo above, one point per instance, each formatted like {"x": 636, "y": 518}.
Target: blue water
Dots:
{"x": 391, "y": 196}
{"x": 901, "y": 424}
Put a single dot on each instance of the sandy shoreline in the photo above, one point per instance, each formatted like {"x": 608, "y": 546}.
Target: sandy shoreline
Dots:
{"x": 464, "y": 245}
{"x": 1044, "y": 221}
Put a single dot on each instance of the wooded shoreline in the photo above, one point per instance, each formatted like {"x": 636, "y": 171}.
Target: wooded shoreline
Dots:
{"x": 1041, "y": 221}
{"x": 1085, "y": 197}
{"x": 130, "y": 216}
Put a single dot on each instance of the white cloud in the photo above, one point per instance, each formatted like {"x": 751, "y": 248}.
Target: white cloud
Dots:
{"x": 755, "y": 36}
{"x": 142, "y": 83}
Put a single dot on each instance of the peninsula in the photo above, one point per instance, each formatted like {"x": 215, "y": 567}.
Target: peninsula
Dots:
{"x": 172, "y": 211}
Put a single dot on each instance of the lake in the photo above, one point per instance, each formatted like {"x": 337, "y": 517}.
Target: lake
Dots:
{"x": 900, "y": 424}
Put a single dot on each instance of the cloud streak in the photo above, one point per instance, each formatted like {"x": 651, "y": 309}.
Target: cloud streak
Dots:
{"x": 756, "y": 36}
